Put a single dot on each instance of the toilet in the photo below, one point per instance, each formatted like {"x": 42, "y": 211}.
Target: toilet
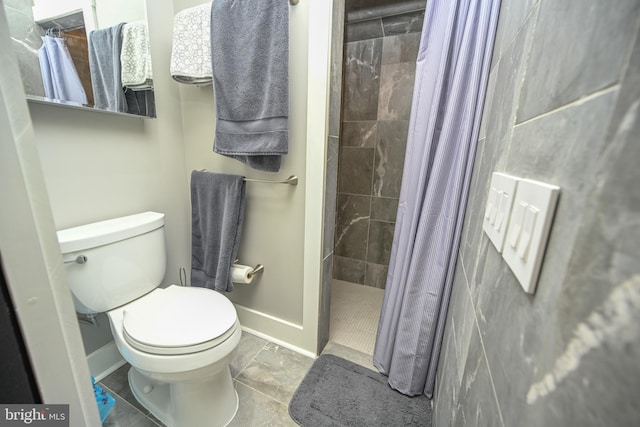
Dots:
{"x": 179, "y": 340}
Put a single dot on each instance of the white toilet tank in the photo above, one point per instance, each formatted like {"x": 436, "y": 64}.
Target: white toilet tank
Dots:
{"x": 125, "y": 259}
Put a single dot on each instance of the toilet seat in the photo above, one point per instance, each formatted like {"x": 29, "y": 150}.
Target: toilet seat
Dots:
{"x": 178, "y": 320}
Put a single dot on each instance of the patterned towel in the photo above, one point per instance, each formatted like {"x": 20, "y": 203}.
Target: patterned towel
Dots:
{"x": 191, "y": 52}
{"x": 135, "y": 57}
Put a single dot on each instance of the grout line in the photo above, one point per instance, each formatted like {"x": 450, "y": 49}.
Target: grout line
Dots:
{"x": 358, "y": 121}
{"x": 484, "y": 352}
{"x": 625, "y": 66}
{"x": 455, "y": 350}
{"x": 521, "y": 77}
{"x": 574, "y": 103}
{"x": 369, "y": 195}
{"x": 464, "y": 271}
{"x": 155, "y": 421}
{"x": 145, "y": 414}
{"x": 263, "y": 393}
{"x": 486, "y": 361}
{"x": 391, "y": 15}
{"x": 253, "y": 358}
{"x": 509, "y": 43}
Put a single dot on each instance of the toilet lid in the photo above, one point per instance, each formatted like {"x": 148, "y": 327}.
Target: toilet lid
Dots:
{"x": 178, "y": 320}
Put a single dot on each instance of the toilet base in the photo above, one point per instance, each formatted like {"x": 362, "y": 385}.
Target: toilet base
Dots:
{"x": 213, "y": 402}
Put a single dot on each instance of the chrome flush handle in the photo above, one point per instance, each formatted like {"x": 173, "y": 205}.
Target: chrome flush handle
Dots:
{"x": 80, "y": 259}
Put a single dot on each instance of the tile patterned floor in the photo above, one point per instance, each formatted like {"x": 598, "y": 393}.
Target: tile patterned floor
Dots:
{"x": 265, "y": 376}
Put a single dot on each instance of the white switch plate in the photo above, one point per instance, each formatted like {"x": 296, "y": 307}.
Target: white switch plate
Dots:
{"x": 498, "y": 208}
{"x": 528, "y": 231}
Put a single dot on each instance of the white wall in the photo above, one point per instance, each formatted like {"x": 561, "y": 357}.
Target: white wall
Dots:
{"x": 96, "y": 13}
{"x": 31, "y": 261}
{"x": 98, "y": 166}
{"x": 113, "y": 12}
{"x": 278, "y": 232}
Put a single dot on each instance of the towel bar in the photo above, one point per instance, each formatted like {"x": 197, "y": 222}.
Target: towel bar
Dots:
{"x": 292, "y": 180}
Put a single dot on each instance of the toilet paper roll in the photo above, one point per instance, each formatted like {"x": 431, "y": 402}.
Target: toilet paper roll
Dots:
{"x": 241, "y": 274}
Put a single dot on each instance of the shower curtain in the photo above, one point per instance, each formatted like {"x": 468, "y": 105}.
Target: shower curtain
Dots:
{"x": 451, "y": 77}
{"x": 59, "y": 75}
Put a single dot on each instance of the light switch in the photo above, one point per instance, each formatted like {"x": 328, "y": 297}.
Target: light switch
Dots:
{"x": 517, "y": 222}
{"x": 490, "y": 213}
{"x": 503, "y": 207}
{"x": 528, "y": 226}
{"x": 498, "y": 209}
{"x": 528, "y": 230}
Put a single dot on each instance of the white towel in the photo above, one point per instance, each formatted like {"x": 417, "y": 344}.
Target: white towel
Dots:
{"x": 191, "y": 52}
{"x": 135, "y": 57}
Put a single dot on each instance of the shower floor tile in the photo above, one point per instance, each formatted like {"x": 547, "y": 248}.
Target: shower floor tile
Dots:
{"x": 355, "y": 311}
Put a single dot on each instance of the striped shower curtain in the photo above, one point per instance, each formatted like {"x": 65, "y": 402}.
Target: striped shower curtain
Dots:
{"x": 451, "y": 77}
{"x": 59, "y": 75}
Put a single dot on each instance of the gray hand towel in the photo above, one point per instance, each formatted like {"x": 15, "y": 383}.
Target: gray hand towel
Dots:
{"x": 104, "y": 61}
{"x": 217, "y": 215}
{"x": 250, "y": 61}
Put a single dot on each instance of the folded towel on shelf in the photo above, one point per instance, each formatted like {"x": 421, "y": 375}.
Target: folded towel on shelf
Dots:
{"x": 141, "y": 102}
{"x": 105, "y": 46}
{"x": 191, "y": 49}
{"x": 135, "y": 57}
{"x": 217, "y": 215}
{"x": 250, "y": 54}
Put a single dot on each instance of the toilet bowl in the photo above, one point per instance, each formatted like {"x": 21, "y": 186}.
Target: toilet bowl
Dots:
{"x": 178, "y": 340}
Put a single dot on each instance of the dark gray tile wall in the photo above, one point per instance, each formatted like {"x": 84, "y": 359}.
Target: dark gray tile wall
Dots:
{"x": 563, "y": 106}
{"x": 362, "y": 62}
{"x": 403, "y": 23}
{"x": 379, "y": 70}
{"x": 364, "y": 30}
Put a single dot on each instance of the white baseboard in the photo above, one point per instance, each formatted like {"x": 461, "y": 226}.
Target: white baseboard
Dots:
{"x": 279, "y": 331}
{"x": 104, "y": 361}
{"x": 280, "y": 342}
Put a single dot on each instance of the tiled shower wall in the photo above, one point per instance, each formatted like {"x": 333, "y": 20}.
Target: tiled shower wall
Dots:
{"x": 379, "y": 70}
{"x": 564, "y": 108}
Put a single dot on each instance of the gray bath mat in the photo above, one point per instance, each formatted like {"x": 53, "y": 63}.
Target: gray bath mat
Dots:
{"x": 338, "y": 393}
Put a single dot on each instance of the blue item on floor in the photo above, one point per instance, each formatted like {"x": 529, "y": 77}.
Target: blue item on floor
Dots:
{"x": 103, "y": 399}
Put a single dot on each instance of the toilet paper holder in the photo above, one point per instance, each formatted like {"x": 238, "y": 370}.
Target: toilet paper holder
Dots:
{"x": 257, "y": 269}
